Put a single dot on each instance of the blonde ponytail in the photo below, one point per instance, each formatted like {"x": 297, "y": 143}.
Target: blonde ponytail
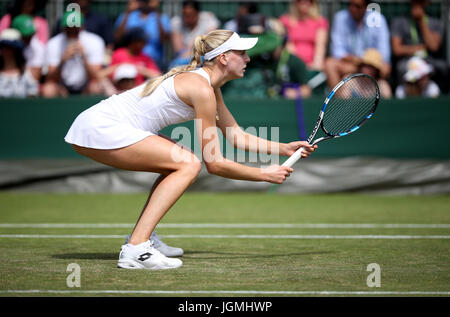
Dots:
{"x": 202, "y": 45}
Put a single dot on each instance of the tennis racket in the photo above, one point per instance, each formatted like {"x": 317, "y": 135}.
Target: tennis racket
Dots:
{"x": 348, "y": 106}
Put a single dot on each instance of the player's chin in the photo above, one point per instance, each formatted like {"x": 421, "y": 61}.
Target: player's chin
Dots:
{"x": 241, "y": 73}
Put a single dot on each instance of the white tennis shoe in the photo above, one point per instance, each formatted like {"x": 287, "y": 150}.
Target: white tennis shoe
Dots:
{"x": 162, "y": 247}
{"x": 145, "y": 256}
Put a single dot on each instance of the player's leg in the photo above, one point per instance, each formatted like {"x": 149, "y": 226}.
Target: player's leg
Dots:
{"x": 157, "y": 242}
{"x": 153, "y": 154}
{"x": 160, "y": 245}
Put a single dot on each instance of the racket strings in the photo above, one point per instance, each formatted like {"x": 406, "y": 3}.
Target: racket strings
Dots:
{"x": 350, "y": 105}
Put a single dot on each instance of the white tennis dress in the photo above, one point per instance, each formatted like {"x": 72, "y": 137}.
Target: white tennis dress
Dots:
{"x": 127, "y": 118}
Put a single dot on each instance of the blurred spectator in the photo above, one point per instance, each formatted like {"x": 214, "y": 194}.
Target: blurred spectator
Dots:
{"x": 29, "y": 7}
{"x": 355, "y": 30}
{"x": 292, "y": 76}
{"x": 244, "y": 8}
{"x": 74, "y": 57}
{"x": 134, "y": 41}
{"x": 307, "y": 32}
{"x": 125, "y": 77}
{"x": 118, "y": 78}
{"x": 371, "y": 64}
{"x": 418, "y": 35}
{"x": 145, "y": 15}
{"x": 273, "y": 70}
{"x": 15, "y": 80}
{"x": 417, "y": 80}
{"x": 94, "y": 22}
{"x": 193, "y": 22}
{"x": 34, "y": 50}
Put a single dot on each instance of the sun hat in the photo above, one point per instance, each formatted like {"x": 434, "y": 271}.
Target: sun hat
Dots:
{"x": 11, "y": 37}
{"x": 125, "y": 71}
{"x": 417, "y": 68}
{"x": 372, "y": 57}
{"x": 24, "y": 24}
{"x": 235, "y": 42}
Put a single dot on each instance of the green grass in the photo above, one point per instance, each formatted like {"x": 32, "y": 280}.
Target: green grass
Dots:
{"x": 231, "y": 264}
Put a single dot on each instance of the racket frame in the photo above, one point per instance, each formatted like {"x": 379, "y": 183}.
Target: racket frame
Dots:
{"x": 319, "y": 123}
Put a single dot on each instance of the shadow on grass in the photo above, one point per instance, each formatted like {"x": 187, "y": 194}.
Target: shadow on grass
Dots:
{"x": 87, "y": 256}
{"x": 197, "y": 255}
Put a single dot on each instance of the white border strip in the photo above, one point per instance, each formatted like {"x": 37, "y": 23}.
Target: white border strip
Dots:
{"x": 234, "y": 225}
{"x": 223, "y": 236}
{"x": 250, "y": 292}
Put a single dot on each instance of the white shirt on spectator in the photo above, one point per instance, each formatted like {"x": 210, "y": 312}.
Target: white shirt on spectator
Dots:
{"x": 18, "y": 85}
{"x": 73, "y": 73}
{"x": 34, "y": 53}
{"x": 431, "y": 91}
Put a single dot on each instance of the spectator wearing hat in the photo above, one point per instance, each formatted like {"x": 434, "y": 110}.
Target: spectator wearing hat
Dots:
{"x": 15, "y": 79}
{"x": 117, "y": 78}
{"x": 417, "y": 80}
{"x": 132, "y": 53}
{"x": 372, "y": 64}
{"x": 94, "y": 22}
{"x": 34, "y": 50}
{"x": 125, "y": 77}
{"x": 187, "y": 27}
{"x": 29, "y": 7}
{"x": 74, "y": 58}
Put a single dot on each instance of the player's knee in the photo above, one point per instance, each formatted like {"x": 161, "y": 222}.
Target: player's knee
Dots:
{"x": 191, "y": 167}
{"x": 195, "y": 166}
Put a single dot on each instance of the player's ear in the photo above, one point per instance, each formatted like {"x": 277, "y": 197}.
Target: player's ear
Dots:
{"x": 223, "y": 59}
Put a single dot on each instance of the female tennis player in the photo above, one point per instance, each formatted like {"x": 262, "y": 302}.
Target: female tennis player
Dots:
{"x": 122, "y": 131}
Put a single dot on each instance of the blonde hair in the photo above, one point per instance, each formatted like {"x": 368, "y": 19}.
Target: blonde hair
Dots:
{"x": 314, "y": 11}
{"x": 202, "y": 45}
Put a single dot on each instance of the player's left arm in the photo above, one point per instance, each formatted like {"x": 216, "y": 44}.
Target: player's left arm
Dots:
{"x": 249, "y": 142}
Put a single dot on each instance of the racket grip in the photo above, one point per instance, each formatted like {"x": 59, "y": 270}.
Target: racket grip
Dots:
{"x": 293, "y": 158}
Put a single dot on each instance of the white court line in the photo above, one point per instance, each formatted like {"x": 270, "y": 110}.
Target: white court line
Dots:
{"x": 249, "y": 292}
{"x": 218, "y": 236}
{"x": 234, "y": 225}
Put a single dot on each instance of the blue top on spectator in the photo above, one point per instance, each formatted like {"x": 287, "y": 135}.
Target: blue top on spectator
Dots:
{"x": 153, "y": 48}
{"x": 348, "y": 38}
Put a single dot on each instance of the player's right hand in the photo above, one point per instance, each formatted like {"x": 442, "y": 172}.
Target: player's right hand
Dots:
{"x": 276, "y": 174}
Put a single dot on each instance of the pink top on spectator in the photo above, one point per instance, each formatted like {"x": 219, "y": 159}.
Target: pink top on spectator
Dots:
{"x": 302, "y": 34}
{"x": 41, "y": 25}
{"x": 121, "y": 56}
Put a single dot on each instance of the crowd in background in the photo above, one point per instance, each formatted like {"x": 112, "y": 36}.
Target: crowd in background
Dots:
{"x": 298, "y": 53}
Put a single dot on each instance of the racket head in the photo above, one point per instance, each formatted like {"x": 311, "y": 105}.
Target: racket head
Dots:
{"x": 349, "y": 105}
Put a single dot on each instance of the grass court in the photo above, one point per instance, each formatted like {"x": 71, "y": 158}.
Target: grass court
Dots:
{"x": 236, "y": 244}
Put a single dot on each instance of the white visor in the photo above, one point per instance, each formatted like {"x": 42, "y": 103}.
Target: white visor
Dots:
{"x": 235, "y": 42}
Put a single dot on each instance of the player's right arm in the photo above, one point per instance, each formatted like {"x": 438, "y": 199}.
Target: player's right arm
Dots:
{"x": 204, "y": 102}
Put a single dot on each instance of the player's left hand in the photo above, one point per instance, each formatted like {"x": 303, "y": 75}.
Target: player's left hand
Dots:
{"x": 289, "y": 148}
